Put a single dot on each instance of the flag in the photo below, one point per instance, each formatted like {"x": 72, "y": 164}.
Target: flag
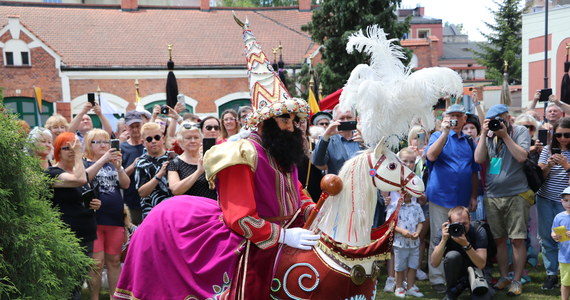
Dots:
{"x": 313, "y": 103}
{"x": 38, "y": 96}
{"x": 330, "y": 101}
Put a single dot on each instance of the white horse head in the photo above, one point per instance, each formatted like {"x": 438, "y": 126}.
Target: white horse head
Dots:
{"x": 347, "y": 217}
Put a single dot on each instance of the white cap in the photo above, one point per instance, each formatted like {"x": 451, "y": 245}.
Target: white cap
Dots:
{"x": 565, "y": 192}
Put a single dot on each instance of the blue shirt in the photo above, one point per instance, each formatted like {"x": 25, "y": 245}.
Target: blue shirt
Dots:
{"x": 334, "y": 152}
{"x": 563, "y": 247}
{"x": 450, "y": 178}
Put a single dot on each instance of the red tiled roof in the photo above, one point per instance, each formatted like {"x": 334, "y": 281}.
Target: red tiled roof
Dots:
{"x": 108, "y": 37}
{"x": 414, "y": 42}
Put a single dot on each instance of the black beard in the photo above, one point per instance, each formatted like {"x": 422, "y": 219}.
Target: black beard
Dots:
{"x": 283, "y": 145}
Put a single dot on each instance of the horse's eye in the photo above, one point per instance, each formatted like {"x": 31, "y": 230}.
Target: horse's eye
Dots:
{"x": 392, "y": 166}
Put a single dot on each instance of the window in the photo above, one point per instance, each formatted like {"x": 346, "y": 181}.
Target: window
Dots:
{"x": 25, "y": 108}
{"x": 423, "y": 33}
{"x": 16, "y": 53}
{"x": 9, "y": 58}
{"x": 25, "y": 58}
{"x": 234, "y": 104}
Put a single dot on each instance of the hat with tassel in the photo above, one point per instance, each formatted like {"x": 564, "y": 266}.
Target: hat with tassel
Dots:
{"x": 269, "y": 97}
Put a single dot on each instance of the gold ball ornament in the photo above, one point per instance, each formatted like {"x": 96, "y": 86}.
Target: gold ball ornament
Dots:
{"x": 332, "y": 184}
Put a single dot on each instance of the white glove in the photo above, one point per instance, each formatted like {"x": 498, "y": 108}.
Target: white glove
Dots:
{"x": 298, "y": 238}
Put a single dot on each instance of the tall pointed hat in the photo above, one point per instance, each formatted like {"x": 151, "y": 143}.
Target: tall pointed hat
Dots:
{"x": 269, "y": 97}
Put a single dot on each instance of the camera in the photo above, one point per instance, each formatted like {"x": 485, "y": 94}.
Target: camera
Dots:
{"x": 164, "y": 109}
{"x": 495, "y": 124}
{"x": 453, "y": 123}
{"x": 346, "y": 126}
{"x": 456, "y": 229}
{"x": 477, "y": 281}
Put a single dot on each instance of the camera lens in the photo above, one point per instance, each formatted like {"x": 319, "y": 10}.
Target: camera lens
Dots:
{"x": 494, "y": 125}
{"x": 453, "y": 123}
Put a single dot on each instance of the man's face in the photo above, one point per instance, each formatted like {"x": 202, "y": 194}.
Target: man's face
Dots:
{"x": 460, "y": 117}
{"x": 553, "y": 114}
{"x": 244, "y": 115}
{"x": 463, "y": 218}
{"x": 345, "y": 116}
{"x": 135, "y": 130}
{"x": 153, "y": 146}
{"x": 86, "y": 124}
{"x": 286, "y": 122}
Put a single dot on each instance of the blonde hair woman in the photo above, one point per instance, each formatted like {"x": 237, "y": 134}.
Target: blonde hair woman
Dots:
{"x": 107, "y": 179}
{"x": 57, "y": 124}
{"x": 186, "y": 172}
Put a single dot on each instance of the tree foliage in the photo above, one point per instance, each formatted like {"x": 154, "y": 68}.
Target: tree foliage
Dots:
{"x": 335, "y": 21}
{"x": 40, "y": 257}
{"x": 503, "y": 43}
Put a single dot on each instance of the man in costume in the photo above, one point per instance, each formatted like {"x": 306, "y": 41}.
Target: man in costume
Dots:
{"x": 192, "y": 248}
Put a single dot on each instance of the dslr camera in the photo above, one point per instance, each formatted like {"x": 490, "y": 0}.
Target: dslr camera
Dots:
{"x": 456, "y": 229}
{"x": 495, "y": 123}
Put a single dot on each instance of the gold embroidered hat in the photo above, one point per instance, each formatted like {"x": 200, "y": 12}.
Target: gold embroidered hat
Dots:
{"x": 269, "y": 97}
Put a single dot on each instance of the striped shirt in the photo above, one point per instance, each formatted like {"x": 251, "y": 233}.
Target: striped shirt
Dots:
{"x": 557, "y": 179}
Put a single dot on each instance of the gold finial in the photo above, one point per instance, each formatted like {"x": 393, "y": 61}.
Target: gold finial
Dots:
{"x": 567, "y": 48}
{"x": 98, "y": 90}
{"x": 280, "y": 48}
{"x": 136, "y": 84}
{"x": 170, "y": 51}
{"x": 311, "y": 82}
{"x": 506, "y": 65}
{"x": 274, "y": 54}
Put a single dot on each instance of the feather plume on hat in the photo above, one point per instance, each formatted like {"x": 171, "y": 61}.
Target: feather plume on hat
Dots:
{"x": 386, "y": 94}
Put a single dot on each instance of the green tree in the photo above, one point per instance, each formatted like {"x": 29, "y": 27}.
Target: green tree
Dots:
{"x": 335, "y": 21}
{"x": 503, "y": 43}
{"x": 40, "y": 257}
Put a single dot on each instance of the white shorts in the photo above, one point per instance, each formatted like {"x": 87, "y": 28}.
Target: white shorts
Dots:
{"x": 406, "y": 258}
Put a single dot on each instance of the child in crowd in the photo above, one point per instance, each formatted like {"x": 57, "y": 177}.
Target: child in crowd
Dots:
{"x": 563, "y": 220}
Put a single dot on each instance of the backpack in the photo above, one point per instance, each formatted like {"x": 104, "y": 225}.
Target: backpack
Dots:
{"x": 533, "y": 175}
{"x": 491, "y": 246}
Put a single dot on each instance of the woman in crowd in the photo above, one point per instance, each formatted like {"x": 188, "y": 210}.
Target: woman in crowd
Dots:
{"x": 69, "y": 175}
{"x": 532, "y": 125}
{"x": 230, "y": 124}
{"x": 107, "y": 178}
{"x": 472, "y": 128}
{"x": 554, "y": 163}
{"x": 210, "y": 127}
{"x": 309, "y": 175}
{"x": 41, "y": 143}
{"x": 57, "y": 124}
{"x": 185, "y": 172}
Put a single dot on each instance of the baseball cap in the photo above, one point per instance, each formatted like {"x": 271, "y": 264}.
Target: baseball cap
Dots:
{"x": 496, "y": 110}
{"x": 455, "y": 108}
{"x": 133, "y": 117}
{"x": 565, "y": 192}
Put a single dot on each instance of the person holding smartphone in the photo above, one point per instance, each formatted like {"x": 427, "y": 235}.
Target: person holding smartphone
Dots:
{"x": 338, "y": 144}
{"x": 186, "y": 172}
{"x": 554, "y": 161}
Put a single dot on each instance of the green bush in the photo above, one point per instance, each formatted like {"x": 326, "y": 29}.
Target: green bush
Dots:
{"x": 40, "y": 258}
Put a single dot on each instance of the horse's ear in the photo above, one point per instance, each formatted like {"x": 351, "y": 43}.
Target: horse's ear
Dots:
{"x": 379, "y": 149}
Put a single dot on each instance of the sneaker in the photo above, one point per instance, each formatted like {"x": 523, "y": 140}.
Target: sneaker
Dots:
{"x": 439, "y": 288}
{"x": 390, "y": 285}
{"x": 414, "y": 291}
{"x": 515, "y": 289}
{"x": 550, "y": 282}
{"x": 502, "y": 283}
{"x": 400, "y": 293}
{"x": 421, "y": 275}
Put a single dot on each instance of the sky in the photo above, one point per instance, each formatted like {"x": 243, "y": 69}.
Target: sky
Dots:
{"x": 470, "y": 13}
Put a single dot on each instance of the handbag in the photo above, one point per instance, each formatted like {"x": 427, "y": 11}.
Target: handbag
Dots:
{"x": 533, "y": 174}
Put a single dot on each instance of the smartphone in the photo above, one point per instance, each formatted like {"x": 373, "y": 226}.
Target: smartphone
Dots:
{"x": 171, "y": 155}
{"x": 345, "y": 126}
{"x": 180, "y": 99}
{"x": 91, "y": 98}
{"x": 421, "y": 140}
{"x": 556, "y": 151}
{"x": 544, "y": 94}
{"x": 207, "y": 143}
{"x": 543, "y": 136}
{"x": 164, "y": 109}
{"x": 115, "y": 144}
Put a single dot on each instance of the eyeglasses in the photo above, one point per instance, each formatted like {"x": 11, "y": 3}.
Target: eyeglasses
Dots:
{"x": 530, "y": 127}
{"x": 66, "y": 148}
{"x": 243, "y": 117}
{"x": 229, "y": 119}
{"x": 156, "y": 137}
{"x": 565, "y": 134}
{"x": 188, "y": 126}
{"x": 101, "y": 142}
{"x": 210, "y": 127}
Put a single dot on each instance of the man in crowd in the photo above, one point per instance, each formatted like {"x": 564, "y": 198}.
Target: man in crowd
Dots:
{"x": 243, "y": 112}
{"x": 150, "y": 171}
{"x": 465, "y": 247}
{"x": 337, "y": 146}
{"x": 131, "y": 150}
{"x": 450, "y": 164}
{"x": 504, "y": 148}
{"x": 82, "y": 122}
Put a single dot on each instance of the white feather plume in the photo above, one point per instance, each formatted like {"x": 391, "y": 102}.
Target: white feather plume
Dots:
{"x": 386, "y": 95}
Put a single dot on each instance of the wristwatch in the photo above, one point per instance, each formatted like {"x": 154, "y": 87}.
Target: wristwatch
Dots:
{"x": 468, "y": 247}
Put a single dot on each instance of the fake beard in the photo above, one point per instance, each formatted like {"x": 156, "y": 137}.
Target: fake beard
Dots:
{"x": 283, "y": 145}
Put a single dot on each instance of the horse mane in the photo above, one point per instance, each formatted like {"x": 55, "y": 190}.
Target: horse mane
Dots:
{"x": 347, "y": 217}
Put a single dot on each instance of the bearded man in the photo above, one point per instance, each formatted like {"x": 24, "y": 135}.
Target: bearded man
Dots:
{"x": 193, "y": 248}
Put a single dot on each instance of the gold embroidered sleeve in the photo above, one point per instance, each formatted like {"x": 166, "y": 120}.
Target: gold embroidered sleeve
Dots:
{"x": 228, "y": 154}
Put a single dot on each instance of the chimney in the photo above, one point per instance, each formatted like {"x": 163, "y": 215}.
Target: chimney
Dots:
{"x": 129, "y": 5}
{"x": 205, "y": 5}
{"x": 304, "y": 5}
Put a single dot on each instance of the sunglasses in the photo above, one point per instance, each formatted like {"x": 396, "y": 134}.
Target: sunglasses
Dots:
{"x": 530, "y": 127}
{"x": 66, "y": 148}
{"x": 323, "y": 124}
{"x": 565, "y": 134}
{"x": 210, "y": 127}
{"x": 156, "y": 137}
{"x": 101, "y": 142}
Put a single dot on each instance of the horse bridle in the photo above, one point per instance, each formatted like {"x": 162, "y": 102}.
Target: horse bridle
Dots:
{"x": 373, "y": 172}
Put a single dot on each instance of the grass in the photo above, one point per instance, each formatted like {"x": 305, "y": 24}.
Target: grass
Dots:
{"x": 531, "y": 290}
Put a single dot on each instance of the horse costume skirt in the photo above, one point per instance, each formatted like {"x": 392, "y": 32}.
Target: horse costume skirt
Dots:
{"x": 182, "y": 250}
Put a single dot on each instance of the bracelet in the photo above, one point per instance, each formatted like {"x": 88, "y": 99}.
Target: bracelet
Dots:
{"x": 180, "y": 119}
{"x": 468, "y": 247}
